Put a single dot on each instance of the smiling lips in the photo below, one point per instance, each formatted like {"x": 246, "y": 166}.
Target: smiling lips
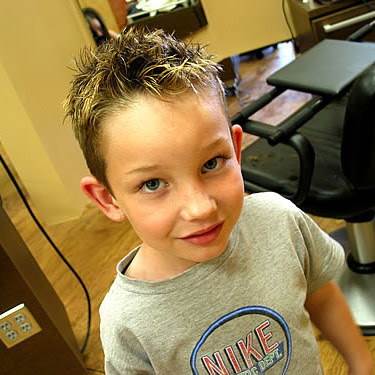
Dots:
{"x": 204, "y": 236}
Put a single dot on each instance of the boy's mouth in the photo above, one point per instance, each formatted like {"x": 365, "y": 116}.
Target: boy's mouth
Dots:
{"x": 204, "y": 236}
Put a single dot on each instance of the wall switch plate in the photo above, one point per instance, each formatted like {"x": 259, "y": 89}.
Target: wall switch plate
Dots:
{"x": 17, "y": 325}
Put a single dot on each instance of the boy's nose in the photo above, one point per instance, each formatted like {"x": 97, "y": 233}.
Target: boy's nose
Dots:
{"x": 197, "y": 204}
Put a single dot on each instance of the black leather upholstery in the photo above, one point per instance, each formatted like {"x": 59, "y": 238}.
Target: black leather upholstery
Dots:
{"x": 358, "y": 142}
{"x": 327, "y": 68}
{"x": 342, "y": 136}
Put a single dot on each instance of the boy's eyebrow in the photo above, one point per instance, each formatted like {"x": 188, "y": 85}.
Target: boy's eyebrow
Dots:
{"x": 149, "y": 168}
{"x": 221, "y": 141}
{"x": 216, "y": 142}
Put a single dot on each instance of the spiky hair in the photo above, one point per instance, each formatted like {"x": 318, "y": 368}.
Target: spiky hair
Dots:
{"x": 113, "y": 76}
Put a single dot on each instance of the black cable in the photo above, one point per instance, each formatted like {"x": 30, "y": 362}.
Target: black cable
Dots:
{"x": 287, "y": 22}
{"x": 294, "y": 40}
{"x": 26, "y": 203}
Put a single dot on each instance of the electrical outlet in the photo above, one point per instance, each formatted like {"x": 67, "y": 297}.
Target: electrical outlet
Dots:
{"x": 17, "y": 325}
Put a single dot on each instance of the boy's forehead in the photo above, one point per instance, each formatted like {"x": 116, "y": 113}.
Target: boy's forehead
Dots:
{"x": 155, "y": 118}
{"x": 154, "y": 128}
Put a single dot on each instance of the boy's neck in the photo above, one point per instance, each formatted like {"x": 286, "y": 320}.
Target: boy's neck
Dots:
{"x": 150, "y": 265}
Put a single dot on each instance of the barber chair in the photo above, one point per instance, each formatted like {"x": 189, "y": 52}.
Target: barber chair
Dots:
{"x": 322, "y": 157}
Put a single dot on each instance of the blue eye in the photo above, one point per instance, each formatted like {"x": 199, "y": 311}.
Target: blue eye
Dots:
{"x": 152, "y": 185}
{"x": 216, "y": 163}
{"x": 211, "y": 164}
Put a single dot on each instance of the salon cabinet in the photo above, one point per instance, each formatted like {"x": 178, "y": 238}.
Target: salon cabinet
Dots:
{"x": 313, "y": 22}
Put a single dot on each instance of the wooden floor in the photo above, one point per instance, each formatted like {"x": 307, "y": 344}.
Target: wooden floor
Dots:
{"x": 93, "y": 244}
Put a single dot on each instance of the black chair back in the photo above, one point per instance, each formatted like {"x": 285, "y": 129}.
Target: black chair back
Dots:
{"x": 358, "y": 139}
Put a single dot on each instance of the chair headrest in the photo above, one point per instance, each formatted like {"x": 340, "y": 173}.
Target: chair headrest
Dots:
{"x": 358, "y": 143}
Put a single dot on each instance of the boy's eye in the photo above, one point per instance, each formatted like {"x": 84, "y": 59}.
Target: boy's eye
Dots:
{"x": 153, "y": 185}
{"x": 215, "y": 163}
{"x": 211, "y": 164}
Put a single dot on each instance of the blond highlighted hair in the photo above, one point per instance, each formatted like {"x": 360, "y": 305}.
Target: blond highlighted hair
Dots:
{"x": 112, "y": 77}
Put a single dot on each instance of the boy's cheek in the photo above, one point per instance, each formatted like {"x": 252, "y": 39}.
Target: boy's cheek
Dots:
{"x": 237, "y": 182}
{"x": 152, "y": 223}
{"x": 237, "y": 191}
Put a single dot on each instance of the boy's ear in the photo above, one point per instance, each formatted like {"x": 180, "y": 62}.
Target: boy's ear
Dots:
{"x": 237, "y": 140}
{"x": 102, "y": 198}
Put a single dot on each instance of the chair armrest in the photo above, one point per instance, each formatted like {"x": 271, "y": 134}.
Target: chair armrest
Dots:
{"x": 259, "y": 129}
{"x": 306, "y": 156}
{"x": 242, "y": 116}
{"x": 289, "y": 126}
{"x": 300, "y": 144}
{"x": 276, "y": 134}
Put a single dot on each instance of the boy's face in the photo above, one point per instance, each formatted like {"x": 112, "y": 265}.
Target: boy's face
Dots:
{"x": 174, "y": 170}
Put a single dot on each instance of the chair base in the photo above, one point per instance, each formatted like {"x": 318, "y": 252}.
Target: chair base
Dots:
{"x": 358, "y": 290}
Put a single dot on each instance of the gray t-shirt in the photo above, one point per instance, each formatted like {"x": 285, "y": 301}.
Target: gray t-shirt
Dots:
{"x": 240, "y": 313}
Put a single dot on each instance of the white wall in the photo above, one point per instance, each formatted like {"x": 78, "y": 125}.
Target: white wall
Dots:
{"x": 242, "y": 25}
{"x": 37, "y": 41}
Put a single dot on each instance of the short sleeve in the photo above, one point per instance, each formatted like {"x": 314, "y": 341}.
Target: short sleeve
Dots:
{"x": 322, "y": 256}
{"x": 285, "y": 226}
{"x": 123, "y": 353}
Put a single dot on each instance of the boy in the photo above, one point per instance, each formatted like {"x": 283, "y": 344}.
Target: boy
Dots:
{"x": 220, "y": 285}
